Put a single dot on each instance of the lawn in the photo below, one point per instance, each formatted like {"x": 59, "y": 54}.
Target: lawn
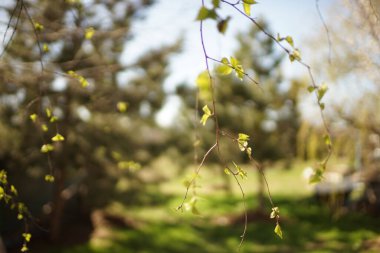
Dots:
{"x": 308, "y": 225}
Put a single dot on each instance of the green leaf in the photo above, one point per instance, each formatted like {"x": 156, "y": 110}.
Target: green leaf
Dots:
{"x": 237, "y": 67}
{"x": 89, "y": 33}
{"x": 322, "y": 91}
{"x": 278, "y": 230}
{"x": 275, "y": 212}
{"x": 206, "y": 114}
{"x": 33, "y": 117}
{"x": 243, "y": 137}
{"x": 243, "y": 141}
{"x": 27, "y": 236}
{"x": 49, "y": 178}
{"x": 47, "y": 148}
{"x": 289, "y": 39}
{"x": 1, "y": 193}
{"x": 48, "y": 112}
{"x": 45, "y": 48}
{"x": 295, "y": 55}
{"x": 317, "y": 175}
{"x": 80, "y": 78}
{"x": 24, "y": 248}
{"x": 247, "y": 8}
{"x": 203, "y": 80}
{"x": 216, "y": 3}
{"x": 205, "y": 13}
{"x": 3, "y": 177}
{"x": 53, "y": 119}
{"x": 222, "y": 25}
{"x": 327, "y": 140}
{"x": 58, "y": 138}
{"x": 39, "y": 27}
{"x": 224, "y": 68}
{"x": 122, "y": 106}
{"x": 44, "y": 127}
{"x": 227, "y": 171}
{"x": 14, "y": 190}
{"x": 250, "y": 1}
{"x": 311, "y": 89}
{"x": 242, "y": 173}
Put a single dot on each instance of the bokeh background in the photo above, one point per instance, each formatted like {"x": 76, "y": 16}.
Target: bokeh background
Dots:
{"x": 132, "y": 140}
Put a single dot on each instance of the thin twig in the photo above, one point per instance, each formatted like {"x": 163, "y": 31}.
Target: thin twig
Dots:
{"x": 15, "y": 28}
{"x": 326, "y": 28}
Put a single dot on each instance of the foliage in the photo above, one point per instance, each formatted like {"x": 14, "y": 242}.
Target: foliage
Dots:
{"x": 65, "y": 107}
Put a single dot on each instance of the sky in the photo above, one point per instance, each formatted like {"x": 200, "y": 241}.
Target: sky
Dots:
{"x": 168, "y": 20}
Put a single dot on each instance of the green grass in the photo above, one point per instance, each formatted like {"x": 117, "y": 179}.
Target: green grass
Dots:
{"x": 307, "y": 225}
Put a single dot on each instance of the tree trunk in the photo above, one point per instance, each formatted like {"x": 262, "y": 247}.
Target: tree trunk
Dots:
{"x": 2, "y": 247}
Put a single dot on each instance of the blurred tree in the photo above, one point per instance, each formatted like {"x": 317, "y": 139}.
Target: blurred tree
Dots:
{"x": 354, "y": 75}
{"x": 354, "y": 68}
{"x": 107, "y": 121}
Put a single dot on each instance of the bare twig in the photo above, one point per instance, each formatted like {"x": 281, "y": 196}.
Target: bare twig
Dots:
{"x": 326, "y": 28}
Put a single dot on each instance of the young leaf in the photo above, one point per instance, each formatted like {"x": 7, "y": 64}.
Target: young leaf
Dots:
{"x": 45, "y": 48}
{"x": 275, "y": 212}
{"x": 247, "y": 8}
{"x": 322, "y": 91}
{"x": 39, "y": 27}
{"x": 311, "y": 89}
{"x": 278, "y": 230}
{"x": 203, "y": 80}
{"x": 224, "y": 68}
{"x": 49, "y": 178}
{"x": 122, "y": 106}
{"x": 205, "y": 13}
{"x": 48, "y": 112}
{"x": 33, "y": 117}
{"x": 44, "y": 127}
{"x": 89, "y": 33}
{"x": 58, "y": 138}
{"x": 14, "y": 190}
{"x": 53, "y": 119}
{"x": 80, "y": 78}
{"x": 47, "y": 148}
{"x": 237, "y": 67}
{"x": 327, "y": 140}
{"x": 222, "y": 25}
{"x": 206, "y": 114}
{"x": 243, "y": 141}
{"x": 250, "y": 1}
{"x": 242, "y": 173}
{"x": 27, "y": 236}
{"x": 289, "y": 39}
{"x": 295, "y": 55}
{"x": 216, "y": 3}
{"x": 317, "y": 176}
{"x": 24, "y": 248}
